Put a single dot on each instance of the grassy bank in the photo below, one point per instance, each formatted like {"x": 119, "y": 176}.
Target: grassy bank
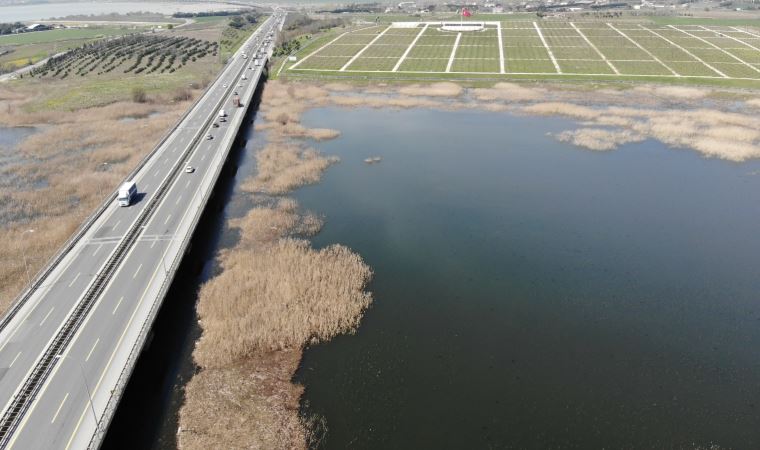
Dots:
{"x": 90, "y": 132}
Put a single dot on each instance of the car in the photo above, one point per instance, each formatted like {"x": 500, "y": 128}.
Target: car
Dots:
{"x": 224, "y": 86}
{"x": 235, "y": 92}
{"x": 209, "y": 137}
{"x": 214, "y": 125}
{"x": 189, "y": 169}
{"x": 222, "y": 119}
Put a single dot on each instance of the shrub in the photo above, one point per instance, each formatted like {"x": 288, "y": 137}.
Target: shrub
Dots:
{"x": 139, "y": 95}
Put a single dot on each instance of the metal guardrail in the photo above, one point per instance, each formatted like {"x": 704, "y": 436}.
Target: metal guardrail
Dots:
{"x": 22, "y": 399}
{"x": 114, "y": 398}
{"x": 43, "y": 273}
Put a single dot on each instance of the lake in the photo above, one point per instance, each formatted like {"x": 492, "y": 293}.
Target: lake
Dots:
{"x": 38, "y": 11}
{"x": 530, "y": 294}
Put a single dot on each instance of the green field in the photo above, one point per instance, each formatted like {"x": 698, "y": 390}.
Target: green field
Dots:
{"x": 556, "y": 49}
{"x": 65, "y": 34}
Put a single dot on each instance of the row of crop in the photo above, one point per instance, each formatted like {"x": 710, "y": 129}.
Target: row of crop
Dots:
{"x": 131, "y": 54}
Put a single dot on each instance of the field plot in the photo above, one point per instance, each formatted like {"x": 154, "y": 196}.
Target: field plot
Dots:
{"x": 543, "y": 48}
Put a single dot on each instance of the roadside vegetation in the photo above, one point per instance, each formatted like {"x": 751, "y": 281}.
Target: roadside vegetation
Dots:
{"x": 85, "y": 132}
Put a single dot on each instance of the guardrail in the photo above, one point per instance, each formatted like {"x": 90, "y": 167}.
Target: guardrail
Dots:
{"x": 116, "y": 393}
{"x": 22, "y": 399}
{"x": 19, "y": 302}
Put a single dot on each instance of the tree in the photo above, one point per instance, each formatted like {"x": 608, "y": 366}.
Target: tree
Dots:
{"x": 170, "y": 26}
{"x": 237, "y": 22}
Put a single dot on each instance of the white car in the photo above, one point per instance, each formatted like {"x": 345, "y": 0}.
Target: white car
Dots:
{"x": 189, "y": 169}
{"x": 224, "y": 86}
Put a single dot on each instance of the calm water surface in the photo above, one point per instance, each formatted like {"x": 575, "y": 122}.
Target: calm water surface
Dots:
{"x": 529, "y": 294}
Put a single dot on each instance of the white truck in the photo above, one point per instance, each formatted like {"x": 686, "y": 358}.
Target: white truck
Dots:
{"x": 127, "y": 192}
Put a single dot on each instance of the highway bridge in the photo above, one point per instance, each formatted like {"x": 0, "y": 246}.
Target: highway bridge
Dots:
{"x": 69, "y": 343}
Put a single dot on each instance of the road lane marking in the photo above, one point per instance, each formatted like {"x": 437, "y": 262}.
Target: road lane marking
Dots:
{"x": 92, "y": 349}
{"x": 156, "y": 174}
{"x": 47, "y": 315}
{"x": 152, "y": 244}
{"x": 203, "y": 157}
{"x": 113, "y": 354}
{"x": 117, "y": 224}
{"x": 97, "y": 250}
{"x": 137, "y": 271}
{"x": 59, "y": 407}
{"x": 75, "y": 279}
{"x": 117, "y": 305}
{"x": 167, "y": 219}
{"x": 178, "y": 199}
{"x": 14, "y": 360}
{"x": 187, "y": 185}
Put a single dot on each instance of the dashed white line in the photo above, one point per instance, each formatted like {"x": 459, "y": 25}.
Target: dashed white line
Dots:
{"x": 203, "y": 157}
{"x": 14, "y": 360}
{"x": 59, "y": 407}
{"x": 117, "y": 224}
{"x": 137, "y": 271}
{"x": 453, "y": 52}
{"x": 167, "y": 219}
{"x": 97, "y": 250}
{"x": 75, "y": 279}
{"x": 187, "y": 185}
{"x": 117, "y": 305}
{"x": 47, "y": 315}
{"x": 152, "y": 244}
{"x": 156, "y": 174}
{"x": 178, "y": 200}
{"x": 92, "y": 349}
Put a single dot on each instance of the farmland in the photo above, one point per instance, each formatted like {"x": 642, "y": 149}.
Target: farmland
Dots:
{"x": 135, "y": 54}
{"x": 551, "y": 49}
{"x": 19, "y": 50}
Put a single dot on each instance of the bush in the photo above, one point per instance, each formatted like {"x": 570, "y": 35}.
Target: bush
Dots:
{"x": 139, "y": 95}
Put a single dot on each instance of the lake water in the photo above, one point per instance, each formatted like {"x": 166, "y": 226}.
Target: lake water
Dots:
{"x": 13, "y": 13}
{"x": 530, "y": 294}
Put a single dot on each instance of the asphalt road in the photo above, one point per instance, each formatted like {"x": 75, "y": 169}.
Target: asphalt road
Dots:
{"x": 63, "y": 405}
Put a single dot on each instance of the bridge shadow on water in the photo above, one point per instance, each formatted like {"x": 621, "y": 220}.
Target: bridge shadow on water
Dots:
{"x": 148, "y": 415}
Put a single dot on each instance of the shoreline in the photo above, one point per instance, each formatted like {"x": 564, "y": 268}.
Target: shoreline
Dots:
{"x": 609, "y": 120}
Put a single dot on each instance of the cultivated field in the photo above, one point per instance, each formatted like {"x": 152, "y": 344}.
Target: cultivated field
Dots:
{"x": 544, "y": 49}
{"x": 135, "y": 53}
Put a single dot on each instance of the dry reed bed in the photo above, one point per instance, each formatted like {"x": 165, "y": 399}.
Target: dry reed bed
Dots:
{"x": 67, "y": 167}
{"x": 276, "y": 294}
{"x": 273, "y": 296}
